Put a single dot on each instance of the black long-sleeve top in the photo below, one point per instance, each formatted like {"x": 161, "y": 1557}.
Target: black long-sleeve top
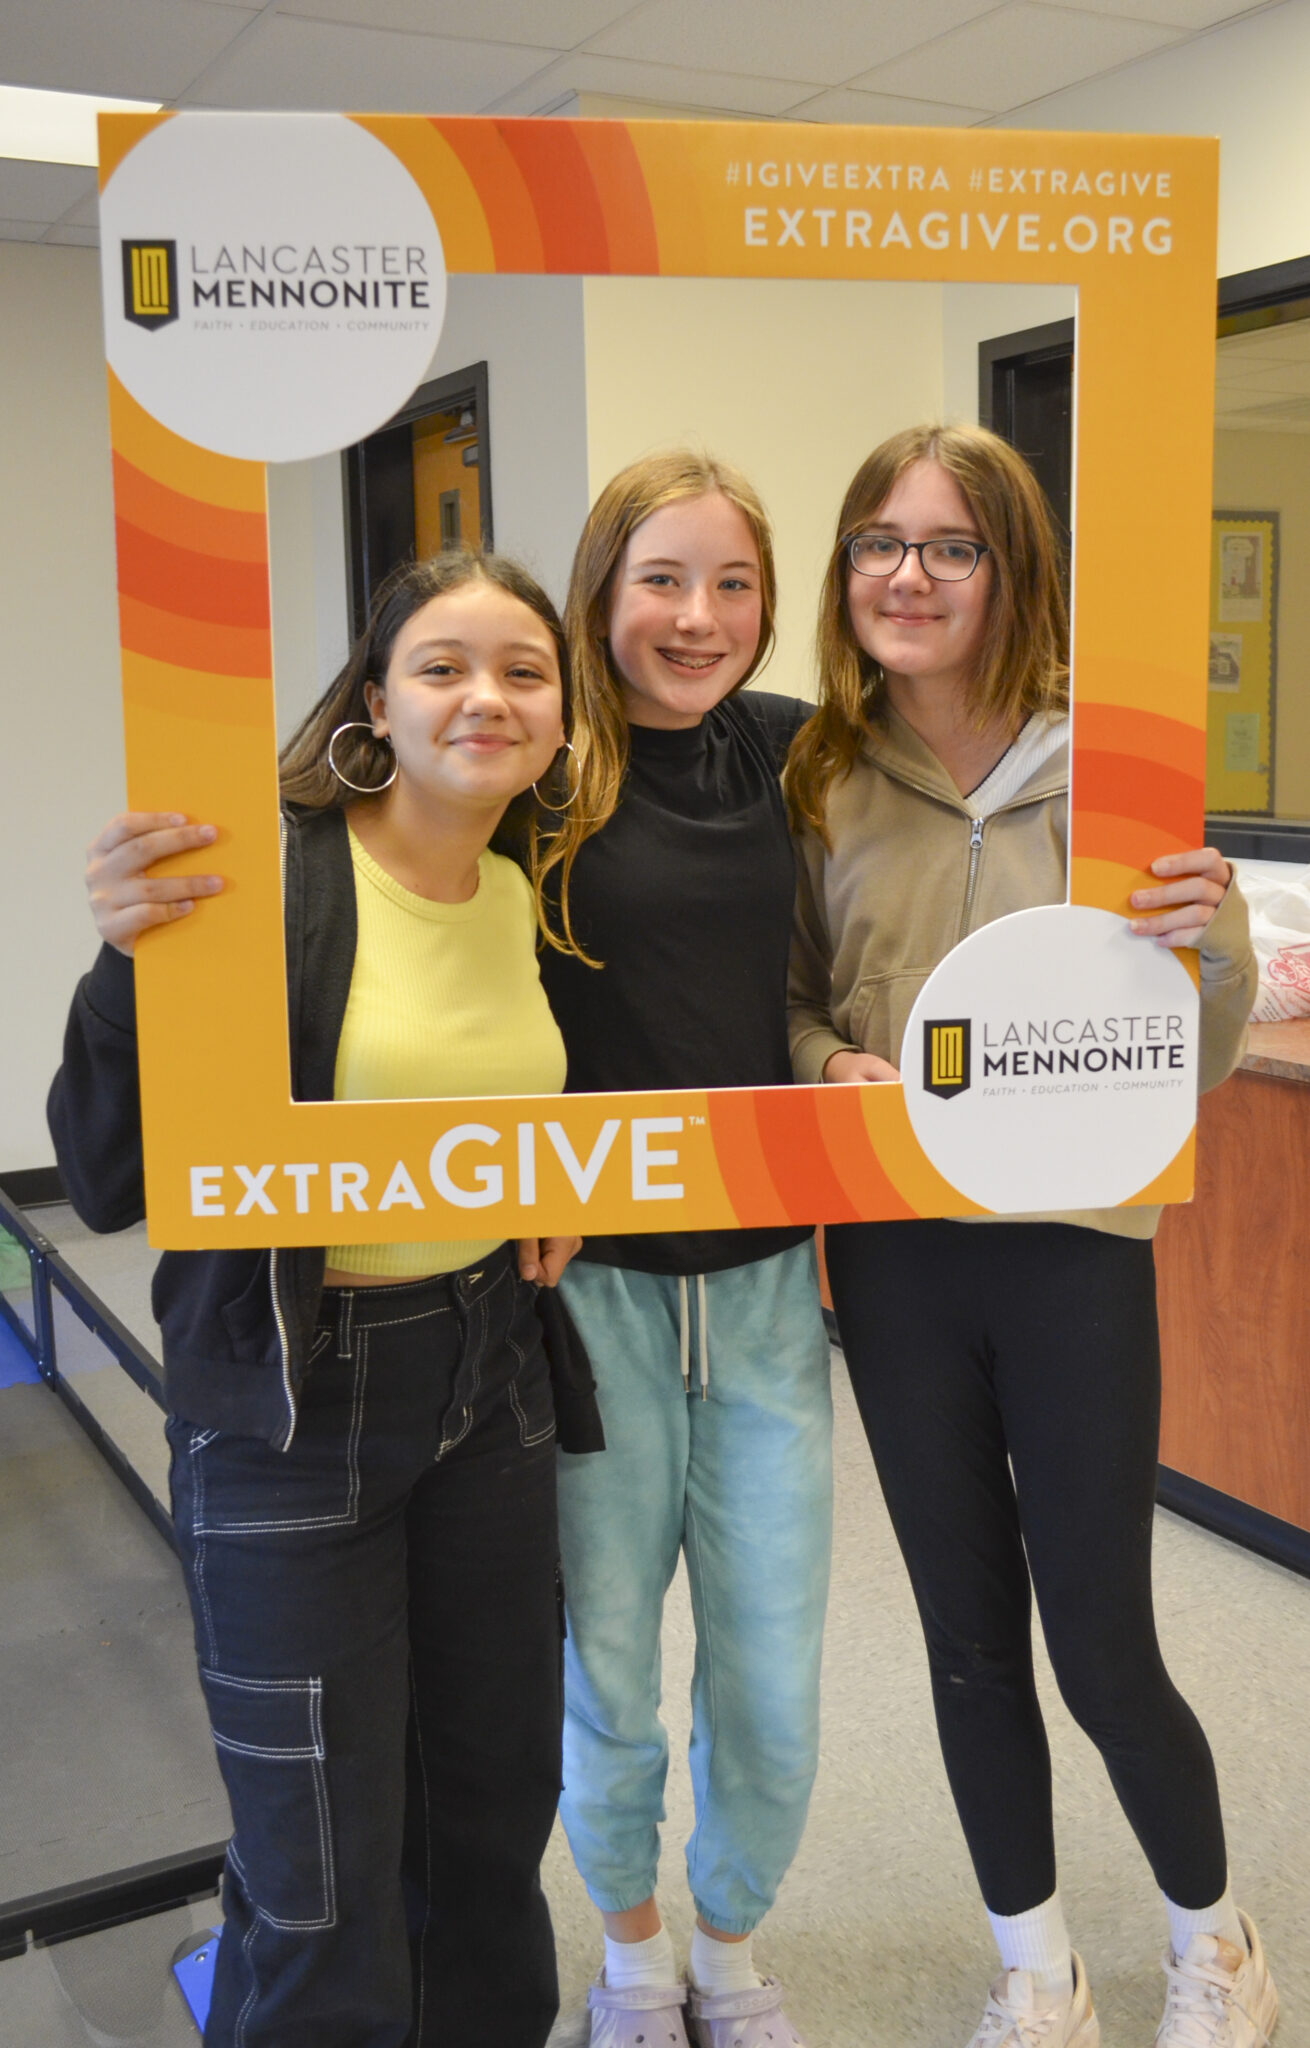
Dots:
{"x": 686, "y": 896}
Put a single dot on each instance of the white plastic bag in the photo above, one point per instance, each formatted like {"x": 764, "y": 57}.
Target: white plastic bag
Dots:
{"x": 1278, "y": 896}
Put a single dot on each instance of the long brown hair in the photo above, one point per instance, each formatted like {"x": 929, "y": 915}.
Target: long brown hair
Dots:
{"x": 601, "y": 739}
{"x": 1023, "y": 664}
{"x": 305, "y": 777}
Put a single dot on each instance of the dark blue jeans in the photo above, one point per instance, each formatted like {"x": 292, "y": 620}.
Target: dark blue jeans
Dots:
{"x": 378, "y": 1621}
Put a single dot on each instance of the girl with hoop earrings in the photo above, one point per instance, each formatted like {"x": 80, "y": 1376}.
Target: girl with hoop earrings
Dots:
{"x": 709, "y": 1347}
{"x": 363, "y": 1436}
{"x": 1007, "y": 1371}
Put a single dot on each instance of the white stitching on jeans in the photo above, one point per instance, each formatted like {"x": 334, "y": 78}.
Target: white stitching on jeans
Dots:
{"x": 316, "y": 1756}
{"x": 526, "y": 1437}
{"x": 451, "y": 1443}
{"x": 244, "y": 2013}
{"x": 197, "y": 1527}
{"x": 394, "y": 1322}
{"x": 351, "y": 1512}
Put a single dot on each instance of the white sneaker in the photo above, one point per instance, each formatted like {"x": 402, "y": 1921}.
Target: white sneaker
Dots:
{"x": 1217, "y": 1997}
{"x": 1018, "y": 2016}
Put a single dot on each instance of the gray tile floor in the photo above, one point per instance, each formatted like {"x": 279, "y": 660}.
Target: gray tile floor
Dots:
{"x": 878, "y": 1931}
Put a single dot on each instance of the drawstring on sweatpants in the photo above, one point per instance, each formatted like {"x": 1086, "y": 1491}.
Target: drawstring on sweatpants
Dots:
{"x": 684, "y": 1335}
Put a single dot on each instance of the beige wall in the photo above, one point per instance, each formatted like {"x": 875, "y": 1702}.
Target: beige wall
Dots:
{"x": 61, "y": 716}
{"x": 793, "y": 382}
{"x": 1258, "y": 472}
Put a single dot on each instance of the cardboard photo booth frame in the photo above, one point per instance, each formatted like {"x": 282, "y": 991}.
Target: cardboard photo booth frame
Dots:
{"x": 221, "y": 361}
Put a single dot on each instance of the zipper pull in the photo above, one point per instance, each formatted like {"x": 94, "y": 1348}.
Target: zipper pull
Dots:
{"x": 975, "y": 837}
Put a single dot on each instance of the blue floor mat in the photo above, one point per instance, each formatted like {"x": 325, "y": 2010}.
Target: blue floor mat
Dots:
{"x": 16, "y": 1367}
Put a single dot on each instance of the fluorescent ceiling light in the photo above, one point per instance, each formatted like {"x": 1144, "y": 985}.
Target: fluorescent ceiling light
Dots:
{"x": 57, "y": 127}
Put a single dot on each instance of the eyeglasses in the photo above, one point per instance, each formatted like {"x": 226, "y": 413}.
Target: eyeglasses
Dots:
{"x": 946, "y": 561}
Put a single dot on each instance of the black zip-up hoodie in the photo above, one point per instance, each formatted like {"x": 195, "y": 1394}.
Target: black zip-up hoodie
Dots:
{"x": 236, "y": 1325}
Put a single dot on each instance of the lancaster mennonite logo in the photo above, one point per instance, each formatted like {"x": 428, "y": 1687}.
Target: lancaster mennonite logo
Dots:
{"x": 946, "y": 1055}
{"x": 150, "y": 283}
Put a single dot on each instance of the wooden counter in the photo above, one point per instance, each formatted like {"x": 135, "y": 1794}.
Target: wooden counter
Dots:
{"x": 1234, "y": 1279}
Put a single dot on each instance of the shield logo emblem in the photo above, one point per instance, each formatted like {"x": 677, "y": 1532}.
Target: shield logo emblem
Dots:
{"x": 946, "y": 1055}
{"x": 150, "y": 283}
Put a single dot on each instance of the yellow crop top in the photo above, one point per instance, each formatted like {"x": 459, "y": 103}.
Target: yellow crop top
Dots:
{"x": 445, "y": 999}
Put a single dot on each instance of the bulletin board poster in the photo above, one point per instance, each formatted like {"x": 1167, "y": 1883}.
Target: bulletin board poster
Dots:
{"x": 274, "y": 288}
{"x": 1243, "y": 664}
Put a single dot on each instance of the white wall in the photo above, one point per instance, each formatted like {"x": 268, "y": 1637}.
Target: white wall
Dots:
{"x": 528, "y": 330}
{"x": 307, "y": 573}
{"x": 973, "y": 313}
{"x": 1249, "y": 84}
{"x": 793, "y": 382}
{"x": 61, "y": 715}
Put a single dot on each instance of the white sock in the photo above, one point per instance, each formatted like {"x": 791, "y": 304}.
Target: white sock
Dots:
{"x": 629, "y": 1963}
{"x": 1220, "y": 1919}
{"x": 1037, "y": 1941}
{"x": 721, "y": 1965}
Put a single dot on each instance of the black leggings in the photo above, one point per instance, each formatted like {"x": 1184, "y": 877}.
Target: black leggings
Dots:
{"x": 1008, "y": 1377}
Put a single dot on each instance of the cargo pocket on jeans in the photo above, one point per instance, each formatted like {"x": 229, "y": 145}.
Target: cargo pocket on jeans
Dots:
{"x": 269, "y": 1737}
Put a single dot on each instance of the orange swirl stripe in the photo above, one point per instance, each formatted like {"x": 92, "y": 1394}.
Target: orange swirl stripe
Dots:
{"x": 188, "y": 583}
{"x": 564, "y": 196}
{"x": 167, "y": 514}
{"x": 561, "y": 197}
{"x": 495, "y": 176}
{"x": 624, "y": 197}
{"x": 1139, "y": 783}
{"x": 799, "y": 1160}
{"x": 739, "y": 1155}
{"x": 1145, "y": 792}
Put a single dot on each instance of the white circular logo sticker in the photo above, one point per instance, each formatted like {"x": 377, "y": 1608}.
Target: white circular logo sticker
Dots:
{"x": 274, "y": 284}
{"x": 1050, "y": 1061}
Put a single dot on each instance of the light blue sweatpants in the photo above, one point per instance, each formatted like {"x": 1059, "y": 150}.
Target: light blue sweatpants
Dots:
{"x": 741, "y": 1480}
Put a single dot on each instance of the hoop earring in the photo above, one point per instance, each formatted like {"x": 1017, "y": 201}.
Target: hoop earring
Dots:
{"x": 569, "y": 748}
{"x": 363, "y": 788}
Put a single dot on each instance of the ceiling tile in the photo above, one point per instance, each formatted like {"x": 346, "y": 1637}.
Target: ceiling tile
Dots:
{"x": 663, "y": 85}
{"x": 1193, "y": 14}
{"x": 41, "y": 191}
{"x": 142, "y": 49}
{"x": 882, "y": 109}
{"x": 1289, "y": 342}
{"x": 294, "y": 63}
{"x": 1016, "y": 54}
{"x": 1279, "y": 377}
{"x": 22, "y": 230}
{"x": 558, "y": 24}
{"x": 66, "y": 235}
{"x": 85, "y": 214}
{"x": 773, "y": 38}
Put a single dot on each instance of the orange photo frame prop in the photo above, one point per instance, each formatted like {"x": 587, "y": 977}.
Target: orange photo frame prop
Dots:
{"x": 1129, "y": 220}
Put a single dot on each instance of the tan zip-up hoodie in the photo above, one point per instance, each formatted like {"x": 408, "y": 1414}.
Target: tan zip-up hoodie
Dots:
{"x": 912, "y": 872}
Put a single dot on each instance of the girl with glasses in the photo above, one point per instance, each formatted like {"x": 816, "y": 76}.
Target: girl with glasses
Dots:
{"x": 1007, "y": 1372}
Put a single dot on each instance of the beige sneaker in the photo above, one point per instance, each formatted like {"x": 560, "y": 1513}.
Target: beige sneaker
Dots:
{"x": 1217, "y": 1997}
{"x": 1018, "y": 2016}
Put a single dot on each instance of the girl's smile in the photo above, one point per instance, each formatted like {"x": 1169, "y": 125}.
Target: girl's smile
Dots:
{"x": 685, "y": 611}
{"x": 472, "y": 700}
